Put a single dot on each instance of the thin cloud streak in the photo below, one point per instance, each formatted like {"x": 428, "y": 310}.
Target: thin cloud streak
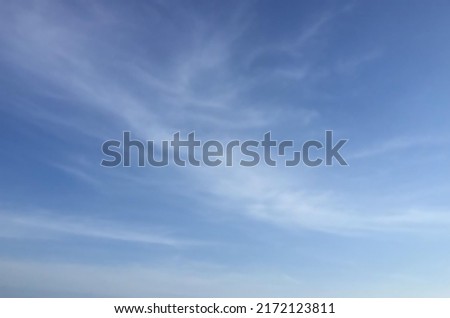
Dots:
{"x": 40, "y": 225}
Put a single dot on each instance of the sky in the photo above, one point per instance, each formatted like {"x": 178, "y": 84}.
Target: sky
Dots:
{"x": 75, "y": 74}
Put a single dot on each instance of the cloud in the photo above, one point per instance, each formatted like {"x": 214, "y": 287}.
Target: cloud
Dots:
{"x": 291, "y": 47}
{"x": 197, "y": 89}
{"x": 54, "y": 279}
{"x": 270, "y": 195}
{"x": 350, "y": 64}
{"x": 49, "y": 225}
{"x": 398, "y": 144}
{"x": 43, "y": 279}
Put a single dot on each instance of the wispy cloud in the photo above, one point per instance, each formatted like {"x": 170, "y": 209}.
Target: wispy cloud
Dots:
{"x": 49, "y": 225}
{"x": 351, "y": 64}
{"x": 291, "y": 47}
{"x": 199, "y": 79}
{"x": 398, "y": 144}
{"x": 271, "y": 196}
{"x": 168, "y": 280}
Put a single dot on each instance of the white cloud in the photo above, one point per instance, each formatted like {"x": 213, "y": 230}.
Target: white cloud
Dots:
{"x": 50, "y": 225}
{"x": 64, "y": 56}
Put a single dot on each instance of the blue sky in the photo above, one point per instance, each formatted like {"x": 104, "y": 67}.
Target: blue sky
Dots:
{"x": 76, "y": 74}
